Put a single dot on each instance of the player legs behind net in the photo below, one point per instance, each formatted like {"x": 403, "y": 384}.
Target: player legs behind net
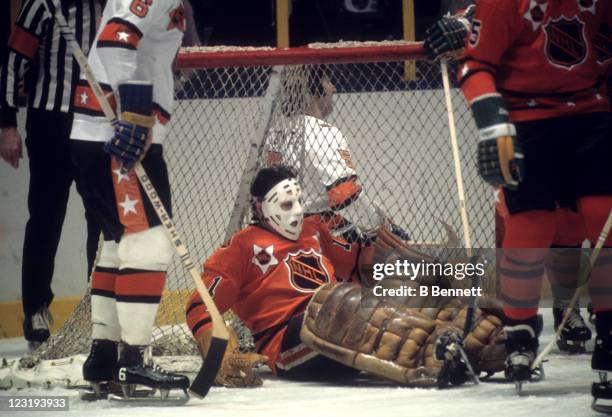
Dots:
{"x": 137, "y": 41}
{"x": 321, "y": 155}
{"x": 550, "y": 119}
{"x": 278, "y": 275}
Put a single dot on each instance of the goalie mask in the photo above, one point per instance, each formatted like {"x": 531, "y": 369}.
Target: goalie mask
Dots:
{"x": 282, "y": 208}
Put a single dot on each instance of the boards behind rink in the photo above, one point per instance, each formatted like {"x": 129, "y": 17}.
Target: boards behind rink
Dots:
{"x": 390, "y": 108}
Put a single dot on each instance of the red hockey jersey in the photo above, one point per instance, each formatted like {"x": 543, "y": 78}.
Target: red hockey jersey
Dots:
{"x": 267, "y": 279}
{"x": 546, "y": 57}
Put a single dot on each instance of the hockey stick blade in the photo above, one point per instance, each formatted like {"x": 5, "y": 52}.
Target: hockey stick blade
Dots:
{"x": 206, "y": 376}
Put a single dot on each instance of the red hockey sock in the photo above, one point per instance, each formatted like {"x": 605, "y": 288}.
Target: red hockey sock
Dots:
{"x": 527, "y": 239}
{"x": 595, "y": 211}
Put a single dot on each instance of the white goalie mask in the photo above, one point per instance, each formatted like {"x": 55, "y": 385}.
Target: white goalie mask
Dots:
{"x": 282, "y": 208}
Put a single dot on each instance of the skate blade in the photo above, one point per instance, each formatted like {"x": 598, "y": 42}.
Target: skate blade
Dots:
{"x": 92, "y": 394}
{"x": 156, "y": 400}
{"x": 601, "y": 408}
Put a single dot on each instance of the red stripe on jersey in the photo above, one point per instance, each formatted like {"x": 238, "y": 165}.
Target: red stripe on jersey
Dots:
{"x": 145, "y": 283}
{"x": 477, "y": 83}
{"x": 85, "y": 100}
{"x": 119, "y": 33}
{"x": 103, "y": 281}
{"x": 130, "y": 203}
{"x": 23, "y": 42}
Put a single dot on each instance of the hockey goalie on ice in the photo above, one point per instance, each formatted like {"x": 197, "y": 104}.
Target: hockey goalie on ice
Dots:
{"x": 302, "y": 291}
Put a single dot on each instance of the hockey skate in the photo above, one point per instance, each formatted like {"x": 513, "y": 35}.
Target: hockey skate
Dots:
{"x": 522, "y": 345}
{"x": 457, "y": 368}
{"x": 131, "y": 371}
{"x": 98, "y": 371}
{"x": 601, "y": 362}
{"x": 36, "y": 328}
{"x": 575, "y": 333}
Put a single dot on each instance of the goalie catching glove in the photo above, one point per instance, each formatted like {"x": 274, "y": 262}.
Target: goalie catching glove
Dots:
{"x": 446, "y": 38}
{"x": 500, "y": 157}
{"x": 131, "y": 138}
{"x": 236, "y": 370}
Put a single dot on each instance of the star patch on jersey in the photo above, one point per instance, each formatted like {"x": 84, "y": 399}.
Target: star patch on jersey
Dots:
{"x": 264, "y": 258}
{"x": 565, "y": 42}
{"x": 535, "y": 13}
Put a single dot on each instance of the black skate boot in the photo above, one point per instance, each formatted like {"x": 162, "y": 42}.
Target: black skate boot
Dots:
{"x": 36, "y": 328}
{"x": 601, "y": 362}
{"x": 98, "y": 370}
{"x": 131, "y": 371}
{"x": 522, "y": 348}
{"x": 575, "y": 333}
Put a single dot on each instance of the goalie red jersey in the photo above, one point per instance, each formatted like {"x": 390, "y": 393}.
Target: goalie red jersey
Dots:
{"x": 266, "y": 279}
{"x": 545, "y": 57}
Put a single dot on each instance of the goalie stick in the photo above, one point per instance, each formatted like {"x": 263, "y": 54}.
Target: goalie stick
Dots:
{"x": 584, "y": 276}
{"x": 206, "y": 376}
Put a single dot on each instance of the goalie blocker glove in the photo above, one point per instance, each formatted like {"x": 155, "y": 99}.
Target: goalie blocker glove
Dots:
{"x": 446, "y": 38}
{"x": 500, "y": 157}
{"x": 130, "y": 140}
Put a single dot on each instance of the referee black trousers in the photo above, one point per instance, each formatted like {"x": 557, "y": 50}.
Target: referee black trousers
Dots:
{"x": 51, "y": 175}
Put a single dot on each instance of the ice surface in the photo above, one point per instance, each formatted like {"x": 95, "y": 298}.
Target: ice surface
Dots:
{"x": 564, "y": 392}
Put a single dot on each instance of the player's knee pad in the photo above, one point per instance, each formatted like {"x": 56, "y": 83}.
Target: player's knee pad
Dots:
{"x": 109, "y": 257}
{"x": 530, "y": 229}
{"x": 595, "y": 211}
{"x": 150, "y": 250}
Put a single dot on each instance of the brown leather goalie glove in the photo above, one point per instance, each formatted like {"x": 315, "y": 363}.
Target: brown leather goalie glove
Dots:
{"x": 391, "y": 341}
{"x": 237, "y": 368}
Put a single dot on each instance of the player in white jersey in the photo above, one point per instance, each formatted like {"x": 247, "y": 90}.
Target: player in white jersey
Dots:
{"x": 320, "y": 153}
{"x": 131, "y": 58}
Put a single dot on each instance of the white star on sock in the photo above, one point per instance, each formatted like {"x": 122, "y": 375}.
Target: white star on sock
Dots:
{"x": 129, "y": 206}
{"x": 120, "y": 175}
{"x": 84, "y": 97}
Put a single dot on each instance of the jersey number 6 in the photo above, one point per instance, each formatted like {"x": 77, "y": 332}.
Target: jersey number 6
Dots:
{"x": 140, "y": 7}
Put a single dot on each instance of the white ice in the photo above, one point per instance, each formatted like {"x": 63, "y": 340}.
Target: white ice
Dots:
{"x": 564, "y": 392}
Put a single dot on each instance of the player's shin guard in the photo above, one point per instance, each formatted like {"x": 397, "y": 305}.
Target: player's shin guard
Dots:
{"x": 527, "y": 238}
{"x": 144, "y": 258}
{"x": 105, "y": 323}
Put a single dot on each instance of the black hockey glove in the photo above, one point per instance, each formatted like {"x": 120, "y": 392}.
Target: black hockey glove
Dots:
{"x": 131, "y": 138}
{"x": 500, "y": 157}
{"x": 446, "y": 38}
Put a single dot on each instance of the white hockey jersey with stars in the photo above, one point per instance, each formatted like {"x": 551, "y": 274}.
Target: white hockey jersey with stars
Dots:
{"x": 137, "y": 40}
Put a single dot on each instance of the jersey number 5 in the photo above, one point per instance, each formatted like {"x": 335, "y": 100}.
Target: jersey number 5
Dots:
{"x": 140, "y": 7}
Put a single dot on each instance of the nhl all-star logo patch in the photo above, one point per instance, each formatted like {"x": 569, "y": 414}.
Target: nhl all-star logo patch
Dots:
{"x": 565, "y": 43}
{"x": 306, "y": 270}
{"x": 587, "y": 5}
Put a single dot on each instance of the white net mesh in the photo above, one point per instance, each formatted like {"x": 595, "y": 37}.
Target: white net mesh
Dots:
{"x": 397, "y": 132}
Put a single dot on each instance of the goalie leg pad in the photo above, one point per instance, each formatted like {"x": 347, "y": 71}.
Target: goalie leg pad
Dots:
{"x": 388, "y": 340}
{"x": 149, "y": 250}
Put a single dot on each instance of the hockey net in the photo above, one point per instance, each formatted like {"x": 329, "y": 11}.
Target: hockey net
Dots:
{"x": 390, "y": 107}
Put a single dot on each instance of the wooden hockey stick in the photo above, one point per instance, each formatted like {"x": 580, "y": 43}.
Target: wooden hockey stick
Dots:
{"x": 472, "y": 301}
{"x": 206, "y": 376}
{"x": 583, "y": 278}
